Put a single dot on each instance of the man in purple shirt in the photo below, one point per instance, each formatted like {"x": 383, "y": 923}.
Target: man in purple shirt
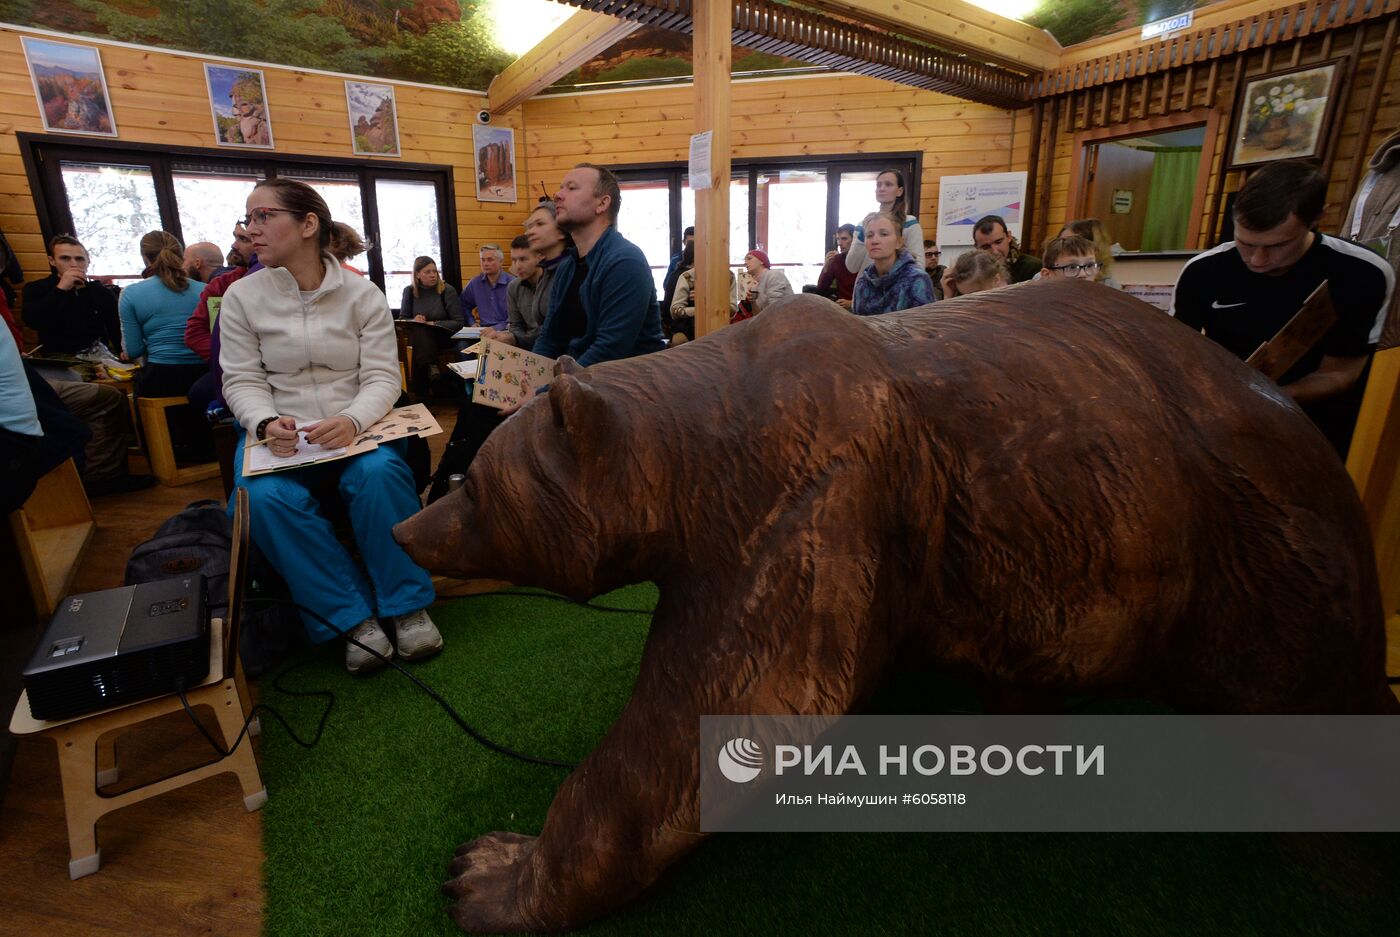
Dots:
{"x": 486, "y": 292}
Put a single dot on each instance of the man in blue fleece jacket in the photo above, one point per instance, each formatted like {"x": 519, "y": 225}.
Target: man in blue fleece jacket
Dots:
{"x": 603, "y": 303}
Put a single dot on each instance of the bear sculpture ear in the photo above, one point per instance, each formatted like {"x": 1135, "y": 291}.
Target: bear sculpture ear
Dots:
{"x": 578, "y": 409}
{"x": 567, "y": 365}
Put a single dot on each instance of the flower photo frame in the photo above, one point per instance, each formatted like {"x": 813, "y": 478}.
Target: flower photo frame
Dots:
{"x": 1284, "y": 115}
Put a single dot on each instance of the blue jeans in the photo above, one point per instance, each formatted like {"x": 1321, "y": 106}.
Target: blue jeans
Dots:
{"x": 291, "y": 531}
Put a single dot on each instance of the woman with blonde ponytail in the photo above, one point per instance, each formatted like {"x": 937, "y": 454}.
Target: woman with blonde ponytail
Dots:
{"x": 154, "y": 313}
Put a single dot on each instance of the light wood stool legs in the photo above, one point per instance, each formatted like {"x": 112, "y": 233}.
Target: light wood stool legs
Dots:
{"x": 156, "y": 431}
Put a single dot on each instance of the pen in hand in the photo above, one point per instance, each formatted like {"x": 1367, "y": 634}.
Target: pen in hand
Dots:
{"x": 268, "y": 438}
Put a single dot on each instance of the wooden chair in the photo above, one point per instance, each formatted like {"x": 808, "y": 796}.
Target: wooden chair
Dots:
{"x": 50, "y": 532}
{"x": 405, "y": 356}
{"x": 87, "y": 744}
{"x": 156, "y": 430}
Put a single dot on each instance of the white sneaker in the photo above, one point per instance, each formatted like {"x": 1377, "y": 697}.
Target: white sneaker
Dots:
{"x": 416, "y": 635}
{"x": 368, "y": 633}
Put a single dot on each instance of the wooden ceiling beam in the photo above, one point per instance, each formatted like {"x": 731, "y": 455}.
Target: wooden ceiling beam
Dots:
{"x": 578, "y": 39}
{"x": 955, "y": 25}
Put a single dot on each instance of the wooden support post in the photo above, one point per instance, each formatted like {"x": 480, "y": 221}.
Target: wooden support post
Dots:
{"x": 1033, "y": 163}
{"x": 1374, "y": 463}
{"x": 713, "y": 24}
{"x": 1217, "y": 202}
{"x": 1043, "y": 213}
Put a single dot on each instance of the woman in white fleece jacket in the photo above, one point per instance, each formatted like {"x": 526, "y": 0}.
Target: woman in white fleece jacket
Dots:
{"x": 308, "y": 349}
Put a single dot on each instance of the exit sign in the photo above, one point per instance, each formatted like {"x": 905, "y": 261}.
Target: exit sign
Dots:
{"x": 1167, "y": 26}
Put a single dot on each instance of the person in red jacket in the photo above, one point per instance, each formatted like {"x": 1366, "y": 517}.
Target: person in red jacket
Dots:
{"x": 201, "y": 331}
{"x": 199, "y": 326}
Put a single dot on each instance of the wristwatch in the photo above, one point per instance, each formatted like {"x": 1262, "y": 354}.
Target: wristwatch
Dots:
{"x": 261, "y": 430}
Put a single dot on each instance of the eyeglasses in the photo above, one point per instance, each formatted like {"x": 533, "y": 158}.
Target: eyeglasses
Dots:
{"x": 1077, "y": 270}
{"x": 933, "y": 253}
{"x": 258, "y": 216}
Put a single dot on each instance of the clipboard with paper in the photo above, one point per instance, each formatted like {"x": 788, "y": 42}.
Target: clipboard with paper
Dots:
{"x": 1307, "y": 327}
{"x": 504, "y": 376}
{"x": 398, "y": 423}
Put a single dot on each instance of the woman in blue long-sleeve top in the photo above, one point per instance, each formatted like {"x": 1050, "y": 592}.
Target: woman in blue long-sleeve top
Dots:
{"x": 154, "y": 313}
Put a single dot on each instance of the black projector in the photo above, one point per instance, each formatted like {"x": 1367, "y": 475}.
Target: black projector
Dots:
{"x": 118, "y": 646}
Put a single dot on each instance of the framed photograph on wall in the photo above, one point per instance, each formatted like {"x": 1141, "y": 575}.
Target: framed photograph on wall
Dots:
{"x": 70, "y": 86}
{"x": 374, "y": 119}
{"x": 495, "y": 163}
{"x": 1284, "y": 115}
{"x": 238, "y": 101}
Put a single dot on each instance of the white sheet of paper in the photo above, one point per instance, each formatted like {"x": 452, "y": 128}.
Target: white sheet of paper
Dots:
{"x": 700, "y": 144}
{"x": 471, "y": 331}
{"x": 260, "y": 457}
{"x": 466, "y": 369}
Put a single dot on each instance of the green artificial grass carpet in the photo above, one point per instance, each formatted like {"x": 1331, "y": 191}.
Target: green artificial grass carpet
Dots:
{"x": 359, "y": 830}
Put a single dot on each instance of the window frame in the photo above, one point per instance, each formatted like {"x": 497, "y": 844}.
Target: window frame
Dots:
{"x": 42, "y": 154}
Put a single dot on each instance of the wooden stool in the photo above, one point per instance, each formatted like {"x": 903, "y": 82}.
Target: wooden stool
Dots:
{"x": 86, "y": 760}
{"x": 87, "y": 743}
{"x": 156, "y": 430}
{"x": 51, "y": 531}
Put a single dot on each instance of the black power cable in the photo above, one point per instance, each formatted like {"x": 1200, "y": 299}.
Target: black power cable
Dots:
{"x": 437, "y": 697}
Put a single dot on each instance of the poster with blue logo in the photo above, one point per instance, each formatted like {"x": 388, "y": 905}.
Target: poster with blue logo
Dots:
{"x": 962, "y": 200}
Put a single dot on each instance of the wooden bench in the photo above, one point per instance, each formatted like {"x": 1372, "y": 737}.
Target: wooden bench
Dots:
{"x": 155, "y": 428}
{"x": 51, "y": 531}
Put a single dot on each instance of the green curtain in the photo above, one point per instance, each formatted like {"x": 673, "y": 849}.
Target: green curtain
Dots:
{"x": 1169, "y": 201}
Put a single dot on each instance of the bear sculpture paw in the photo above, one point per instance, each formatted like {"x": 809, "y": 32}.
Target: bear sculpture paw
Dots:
{"x": 485, "y": 876}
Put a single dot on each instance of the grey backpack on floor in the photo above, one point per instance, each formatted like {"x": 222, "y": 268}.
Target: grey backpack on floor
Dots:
{"x": 197, "y": 540}
{"x": 200, "y": 540}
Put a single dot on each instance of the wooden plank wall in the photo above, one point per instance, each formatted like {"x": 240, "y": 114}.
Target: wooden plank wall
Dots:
{"x": 823, "y": 116}
{"x": 160, "y": 98}
{"x": 1082, "y": 109}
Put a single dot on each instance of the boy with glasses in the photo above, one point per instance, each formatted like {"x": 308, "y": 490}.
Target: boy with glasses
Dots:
{"x": 1070, "y": 258}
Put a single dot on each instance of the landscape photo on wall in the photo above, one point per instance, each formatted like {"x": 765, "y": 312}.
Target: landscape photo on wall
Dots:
{"x": 70, "y": 87}
{"x": 238, "y": 100}
{"x": 374, "y": 123}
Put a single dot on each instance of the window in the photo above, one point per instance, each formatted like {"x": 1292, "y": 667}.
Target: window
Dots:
{"x": 790, "y": 222}
{"x": 645, "y": 220}
{"x": 789, "y": 208}
{"x": 341, "y": 190}
{"x": 210, "y": 198}
{"x": 857, "y": 197}
{"x": 109, "y": 196}
{"x": 408, "y": 229}
{"x": 738, "y": 215}
{"x": 113, "y": 206}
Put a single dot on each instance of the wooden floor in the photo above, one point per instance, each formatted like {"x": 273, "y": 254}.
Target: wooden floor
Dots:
{"x": 188, "y": 862}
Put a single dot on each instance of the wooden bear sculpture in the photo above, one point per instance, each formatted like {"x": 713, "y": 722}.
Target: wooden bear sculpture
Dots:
{"x": 1054, "y": 485}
